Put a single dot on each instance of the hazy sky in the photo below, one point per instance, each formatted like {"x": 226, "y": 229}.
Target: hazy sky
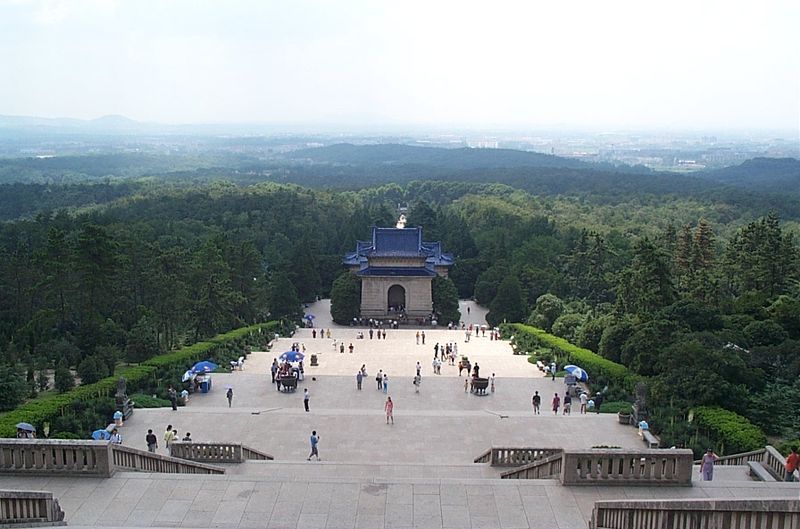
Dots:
{"x": 533, "y": 63}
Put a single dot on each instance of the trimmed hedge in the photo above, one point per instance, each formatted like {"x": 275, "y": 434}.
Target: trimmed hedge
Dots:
{"x": 730, "y": 432}
{"x": 221, "y": 348}
{"x": 601, "y": 370}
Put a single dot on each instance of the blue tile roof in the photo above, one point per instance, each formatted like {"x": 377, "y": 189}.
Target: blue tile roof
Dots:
{"x": 398, "y": 242}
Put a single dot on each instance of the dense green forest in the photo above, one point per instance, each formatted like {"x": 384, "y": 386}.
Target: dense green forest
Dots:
{"x": 695, "y": 285}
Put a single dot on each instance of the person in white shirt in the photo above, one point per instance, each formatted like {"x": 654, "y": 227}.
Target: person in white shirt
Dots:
{"x": 584, "y": 401}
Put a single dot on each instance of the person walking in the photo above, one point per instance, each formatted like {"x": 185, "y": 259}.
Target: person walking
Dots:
{"x": 598, "y": 401}
{"x": 351, "y": 347}
{"x": 422, "y": 335}
{"x": 537, "y": 402}
{"x": 359, "y": 379}
{"x": 274, "y": 369}
{"x": 417, "y": 382}
{"x": 491, "y": 382}
{"x": 567, "y": 404}
{"x": 389, "y": 409}
{"x": 792, "y": 464}
{"x": 385, "y": 383}
{"x": 379, "y": 379}
{"x": 707, "y": 465}
{"x": 556, "y": 404}
{"x": 314, "y": 440}
{"x": 229, "y": 396}
{"x": 584, "y": 401}
{"x": 151, "y": 440}
{"x": 371, "y": 332}
{"x": 173, "y": 397}
{"x": 417, "y": 337}
{"x": 341, "y": 348}
{"x": 169, "y": 436}
{"x": 306, "y": 397}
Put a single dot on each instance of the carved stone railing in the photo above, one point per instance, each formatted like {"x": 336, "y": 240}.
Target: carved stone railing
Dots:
{"x": 87, "y": 458}
{"x": 769, "y": 457}
{"x": 660, "y": 514}
{"x": 485, "y": 457}
{"x": 127, "y": 458}
{"x": 29, "y": 508}
{"x": 514, "y": 457}
{"x": 739, "y": 459}
{"x": 216, "y": 452}
{"x": 627, "y": 467}
{"x": 545, "y": 468}
{"x": 55, "y": 457}
{"x": 774, "y": 462}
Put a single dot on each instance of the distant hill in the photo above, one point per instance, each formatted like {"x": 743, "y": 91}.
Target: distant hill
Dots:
{"x": 101, "y": 125}
{"x": 458, "y": 159}
{"x": 762, "y": 174}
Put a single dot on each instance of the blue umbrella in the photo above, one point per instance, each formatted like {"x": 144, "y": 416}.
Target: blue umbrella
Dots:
{"x": 292, "y": 356}
{"x": 26, "y": 426}
{"x": 309, "y": 316}
{"x": 204, "y": 367}
{"x": 578, "y": 372}
{"x": 101, "y": 435}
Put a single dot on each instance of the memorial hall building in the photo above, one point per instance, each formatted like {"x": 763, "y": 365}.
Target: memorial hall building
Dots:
{"x": 397, "y": 268}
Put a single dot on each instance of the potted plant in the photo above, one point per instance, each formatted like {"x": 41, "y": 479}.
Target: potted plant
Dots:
{"x": 624, "y": 416}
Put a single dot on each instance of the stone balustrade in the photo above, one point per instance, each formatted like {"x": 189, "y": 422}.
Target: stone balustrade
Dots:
{"x": 627, "y": 467}
{"x": 29, "y": 508}
{"x": 548, "y": 467}
{"x": 739, "y": 459}
{"x": 216, "y": 452}
{"x": 87, "y": 458}
{"x": 127, "y": 458}
{"x": 55, "y": 457}
{"x": 515, "y": 457}
{"x": 774, "y": 462}
{"x": 691, "y": 514}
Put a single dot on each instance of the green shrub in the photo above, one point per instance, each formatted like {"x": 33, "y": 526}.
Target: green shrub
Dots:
{"x": 148, "y": 401}
{"x": 729, "y": 432}
{"x": 601, "y": 371}
{"x": 615, "y": 406}
{"x": 158, "y": 371}
{"x": 786, "y": 447}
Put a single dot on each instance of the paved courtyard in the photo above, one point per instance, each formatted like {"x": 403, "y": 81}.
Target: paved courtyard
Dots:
{"x": 442, "y": 424}
{"x": 417, "y": 473}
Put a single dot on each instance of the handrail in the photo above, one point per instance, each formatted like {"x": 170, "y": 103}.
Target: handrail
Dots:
{"x": 657, "y": 514}
{"x": 774, "y": 462}
{"x": 216, "y": 452}
{"x": 738, "y": 459}
{"x": 127, "y": 458}
{"x": 484, "y": 457}
{"x": 545, "y": 468}
{"x": 28, "y": 508}
{"x": 514, "y": 457}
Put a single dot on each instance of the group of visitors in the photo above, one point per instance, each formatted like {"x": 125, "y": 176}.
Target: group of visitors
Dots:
{"x": 565, "y": 404}
{"x": 421, "y": 336}
{"x": 170, "y": 436}
{"x": 322, "y": 333}
{"x": 382, "y": 381}
{"x": 448, "y": 352}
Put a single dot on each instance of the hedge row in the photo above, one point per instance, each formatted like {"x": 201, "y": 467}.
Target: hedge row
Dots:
{"x": 220, "y": 348}
{"x": 601, "y": 370}
{"x": 732, "y": 432}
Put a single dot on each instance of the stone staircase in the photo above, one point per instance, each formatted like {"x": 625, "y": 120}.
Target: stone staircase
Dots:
{"x": 313, "y": 470}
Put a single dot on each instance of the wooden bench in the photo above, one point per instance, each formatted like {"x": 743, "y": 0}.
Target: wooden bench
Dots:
{"x": 650, "y": 440}
{"x": 759, "y": 471}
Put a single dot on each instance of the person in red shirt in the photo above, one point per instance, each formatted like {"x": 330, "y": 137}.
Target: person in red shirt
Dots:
{"x": 792, "y": 464}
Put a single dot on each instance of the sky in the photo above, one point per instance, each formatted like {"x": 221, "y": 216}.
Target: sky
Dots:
{"x": 615, "y": 64}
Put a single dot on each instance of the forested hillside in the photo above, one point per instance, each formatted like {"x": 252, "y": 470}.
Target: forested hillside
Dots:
{"x": 695, "y": 288}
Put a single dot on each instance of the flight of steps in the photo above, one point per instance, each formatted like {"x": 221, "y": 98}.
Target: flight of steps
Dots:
{"x": 312, "y": 470}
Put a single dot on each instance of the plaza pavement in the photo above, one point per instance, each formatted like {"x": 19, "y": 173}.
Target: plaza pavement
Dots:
{"x": 417, "y": 473}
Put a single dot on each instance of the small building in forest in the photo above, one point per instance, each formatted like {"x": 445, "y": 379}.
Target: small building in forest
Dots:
{"x": 396, "y": 268}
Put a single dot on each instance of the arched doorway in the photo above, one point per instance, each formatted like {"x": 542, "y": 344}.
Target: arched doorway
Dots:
{"x": 397, "y": 298}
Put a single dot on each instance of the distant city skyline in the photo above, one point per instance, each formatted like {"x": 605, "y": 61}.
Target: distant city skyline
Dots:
{"x": 574, "y": 65}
